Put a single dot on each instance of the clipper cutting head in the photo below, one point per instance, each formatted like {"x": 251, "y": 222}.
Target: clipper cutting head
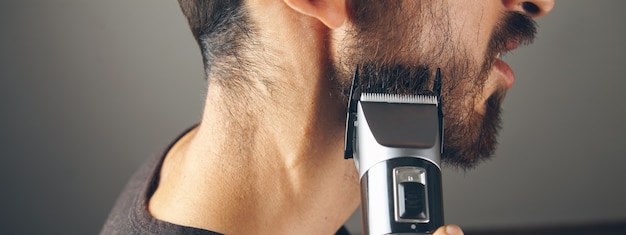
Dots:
{"x": 356, "y": 95}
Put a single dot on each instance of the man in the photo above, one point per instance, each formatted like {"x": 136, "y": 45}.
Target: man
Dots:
{"x": 267, "y": 155}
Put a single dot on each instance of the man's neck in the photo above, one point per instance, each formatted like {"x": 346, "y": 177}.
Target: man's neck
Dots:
{"x": 262, "y": 164}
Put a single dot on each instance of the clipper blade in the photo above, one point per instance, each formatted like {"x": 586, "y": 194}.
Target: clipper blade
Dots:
{"x": 402, "y": 99}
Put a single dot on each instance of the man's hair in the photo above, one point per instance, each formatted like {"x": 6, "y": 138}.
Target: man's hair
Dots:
{"x": 221, "y": 29}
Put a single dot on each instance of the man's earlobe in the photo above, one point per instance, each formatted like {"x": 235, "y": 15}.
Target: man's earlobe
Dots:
{"x": 330, "y": 12}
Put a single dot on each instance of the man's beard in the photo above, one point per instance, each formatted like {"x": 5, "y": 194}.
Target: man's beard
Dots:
{"x": 397, "y": 55}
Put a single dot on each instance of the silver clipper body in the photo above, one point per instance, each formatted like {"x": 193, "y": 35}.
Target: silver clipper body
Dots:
{"x": 396, "y": 143}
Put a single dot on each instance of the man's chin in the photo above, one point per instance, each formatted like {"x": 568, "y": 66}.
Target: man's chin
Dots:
{"x": 468, "y": 142}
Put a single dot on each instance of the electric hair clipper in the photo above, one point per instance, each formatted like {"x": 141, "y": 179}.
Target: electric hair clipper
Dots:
{"x": 396, "y": 143}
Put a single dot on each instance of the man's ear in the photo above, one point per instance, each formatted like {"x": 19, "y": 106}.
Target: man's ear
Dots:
{"x": 330, "y": 12}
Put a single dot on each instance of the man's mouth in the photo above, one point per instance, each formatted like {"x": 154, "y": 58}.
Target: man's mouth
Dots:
{"x": 506, "y": 71}
{"x": 503, "y": 67}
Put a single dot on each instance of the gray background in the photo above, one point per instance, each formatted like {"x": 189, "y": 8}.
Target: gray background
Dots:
{"x": 89, "y": 89}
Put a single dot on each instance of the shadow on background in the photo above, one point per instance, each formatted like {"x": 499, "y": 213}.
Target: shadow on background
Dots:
{"x": 617, "y": 228}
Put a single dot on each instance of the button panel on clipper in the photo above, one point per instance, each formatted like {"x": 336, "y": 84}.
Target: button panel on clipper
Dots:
{"x": 411, "y": 201}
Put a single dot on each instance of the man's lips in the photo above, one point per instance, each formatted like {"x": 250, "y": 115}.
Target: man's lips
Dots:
{"x": 512, "y": 44}
{"x": 503, "y": 67}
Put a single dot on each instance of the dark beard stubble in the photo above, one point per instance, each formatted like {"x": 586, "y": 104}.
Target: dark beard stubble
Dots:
{"x": 380, "y": 42}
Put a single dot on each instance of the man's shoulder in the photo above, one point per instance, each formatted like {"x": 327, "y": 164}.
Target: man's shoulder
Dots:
{"x": 130, "y": 213}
